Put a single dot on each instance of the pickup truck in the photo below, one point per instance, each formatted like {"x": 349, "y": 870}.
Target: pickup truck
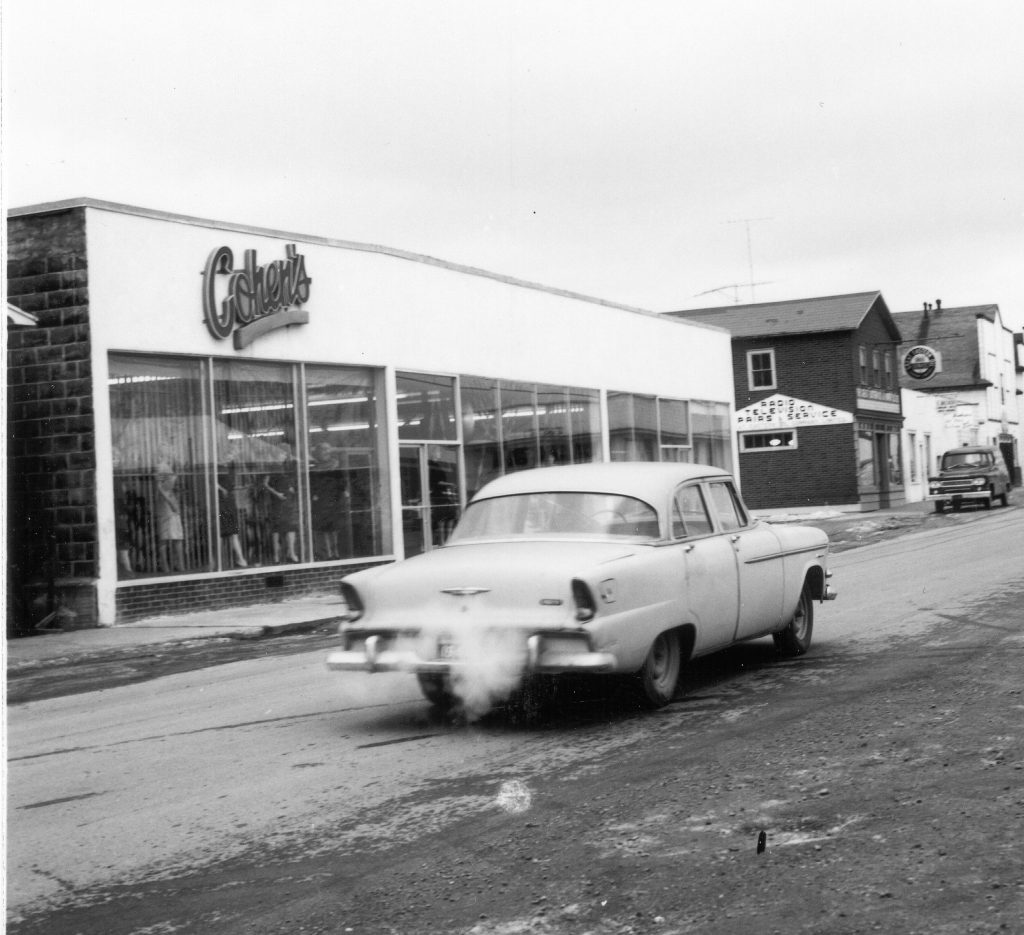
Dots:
{"x": 973, "y": 472}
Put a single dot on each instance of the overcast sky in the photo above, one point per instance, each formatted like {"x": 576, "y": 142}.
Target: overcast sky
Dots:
{"x": 621, "y": 149}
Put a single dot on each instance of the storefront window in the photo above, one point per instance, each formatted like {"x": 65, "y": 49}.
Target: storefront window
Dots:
{"x": 711, "y": 433}
{"x": 633, "y": 427}
{"x": 867, "y": 476}
{"x": 260, "y": 507}
{"x": 343, "y": 427}
{"x": 481, "y": 435}
{"x": 510, "y": 427}
{"x": 426, "y": 407}
{"x": 585, "y": 425}
{"x": 161, "y": 453}
{"x": 674, "y": 429}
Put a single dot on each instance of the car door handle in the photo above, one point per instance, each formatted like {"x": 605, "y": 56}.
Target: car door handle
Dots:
{"x": 734, "y": 538}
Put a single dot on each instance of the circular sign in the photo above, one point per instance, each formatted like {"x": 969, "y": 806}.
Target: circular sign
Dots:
{"x": 920, "y": 363}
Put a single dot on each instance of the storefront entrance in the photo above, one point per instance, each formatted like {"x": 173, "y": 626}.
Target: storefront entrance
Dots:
{"x": 430, "y": 495}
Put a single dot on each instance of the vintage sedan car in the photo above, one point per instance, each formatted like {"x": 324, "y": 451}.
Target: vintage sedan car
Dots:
{"x": 627, "y": 569}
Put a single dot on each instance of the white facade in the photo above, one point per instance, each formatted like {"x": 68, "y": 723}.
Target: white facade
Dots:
{"x": 989, "y": 412}
{"x": 380, "y": 309}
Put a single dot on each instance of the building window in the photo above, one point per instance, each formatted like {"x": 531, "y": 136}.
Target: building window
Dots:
{"x": 768, "y": 441}
{"x": 651, "y": 428}
{"x": 863, "y": 354}
{"x": 344, "y": 427}
{"x": 230, "y": 464}
{"x": 711, "y": 433}
{"x": 509, "y": 427}
{"x": 426, "y": 407}
{"x": 633, "y": 427}
{"x": 888, "y": 370}
{"x": 674, "y": 430}
{"x": 163, "y": 457}
{"x": 761, "y": 369}
{"x": 876, "y": 367}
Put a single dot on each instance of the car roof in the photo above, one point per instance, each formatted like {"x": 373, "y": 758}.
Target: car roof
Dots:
{"x": 971, "y": 449}
{"x": 646, "y": 480}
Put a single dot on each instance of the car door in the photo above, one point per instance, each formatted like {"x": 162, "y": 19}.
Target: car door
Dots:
{"x": 710, "y": 577}
{"x": 759, "y": 561}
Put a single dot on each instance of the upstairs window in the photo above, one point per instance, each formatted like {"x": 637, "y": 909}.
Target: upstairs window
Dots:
{"x": 761, "y": 369}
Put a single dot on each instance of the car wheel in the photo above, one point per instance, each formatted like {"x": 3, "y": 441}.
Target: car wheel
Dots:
{"x": 940, "y": 506}
{"x": 660, "y": 673}
{"x": 437, "y": 690}
{"x": 1004, "y": 498}
{"x": 796, "y": 638}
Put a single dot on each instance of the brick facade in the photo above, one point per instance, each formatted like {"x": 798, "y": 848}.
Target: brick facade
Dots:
{"x": 52, "y": 530}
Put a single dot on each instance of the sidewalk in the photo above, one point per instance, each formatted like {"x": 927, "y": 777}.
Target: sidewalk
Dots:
{"x": 262, "y": 620}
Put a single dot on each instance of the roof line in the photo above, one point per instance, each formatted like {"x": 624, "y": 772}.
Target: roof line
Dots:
{"x": 115, "y": 207}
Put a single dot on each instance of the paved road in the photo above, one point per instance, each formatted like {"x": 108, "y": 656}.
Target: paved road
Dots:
{"x": 205, "y": 775}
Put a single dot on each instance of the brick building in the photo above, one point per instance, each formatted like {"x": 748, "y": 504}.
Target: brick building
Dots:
{"x": 211, "y": 414}
{"x": 818, "y": 412}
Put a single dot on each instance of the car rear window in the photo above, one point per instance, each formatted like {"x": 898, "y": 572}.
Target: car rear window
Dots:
{"x": 558, "y": 514}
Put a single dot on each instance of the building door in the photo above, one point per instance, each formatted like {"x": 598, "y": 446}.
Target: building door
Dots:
{"x": 882, "y": 469}
{"x": 430, "y": 495}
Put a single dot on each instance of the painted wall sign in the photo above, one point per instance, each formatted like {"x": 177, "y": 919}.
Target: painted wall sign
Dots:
{"x": 922, "y": 363}
{"x": 785, "y": 412}
{"x": 253, "y": 300}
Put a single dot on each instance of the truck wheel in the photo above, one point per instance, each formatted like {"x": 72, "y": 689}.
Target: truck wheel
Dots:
{"x": 796, "y": 638}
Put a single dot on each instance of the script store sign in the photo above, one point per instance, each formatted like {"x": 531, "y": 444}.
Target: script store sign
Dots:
{"x": 251, "y": 300}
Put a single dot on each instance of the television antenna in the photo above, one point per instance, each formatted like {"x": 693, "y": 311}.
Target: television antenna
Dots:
{"x": 746, "y": 222}
{"x": 735, "y": 286}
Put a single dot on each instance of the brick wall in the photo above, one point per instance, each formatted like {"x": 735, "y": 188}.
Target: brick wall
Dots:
{"x": 157, "y": 598}
{"x": 822, "y": 470}
{"x": 52, "y": 531}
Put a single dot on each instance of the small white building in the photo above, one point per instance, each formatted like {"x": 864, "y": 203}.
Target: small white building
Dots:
{"x": 961, "y": 381}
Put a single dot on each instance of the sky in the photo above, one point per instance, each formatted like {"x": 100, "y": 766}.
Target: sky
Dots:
{"x": 666, "y": 155}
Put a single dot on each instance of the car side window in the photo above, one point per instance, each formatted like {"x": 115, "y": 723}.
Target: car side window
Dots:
{"x": 690, "y": 513}
{"x": 727, "y": 506}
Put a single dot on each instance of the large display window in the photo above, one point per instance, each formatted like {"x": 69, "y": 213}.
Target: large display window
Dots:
{"x": 163, "y": 456}
{"x": 227, "y": 464}
{"x": 511, "y": 426}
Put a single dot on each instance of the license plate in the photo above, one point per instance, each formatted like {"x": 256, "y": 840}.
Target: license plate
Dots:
{"x": 447, "y": 649}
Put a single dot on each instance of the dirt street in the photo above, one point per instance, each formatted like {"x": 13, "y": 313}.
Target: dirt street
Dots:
{"x": 858, "y": 789}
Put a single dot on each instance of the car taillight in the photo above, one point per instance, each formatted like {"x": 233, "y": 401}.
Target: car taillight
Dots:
{"x": 353, "y": 605}
{"x": 586, "y": 607}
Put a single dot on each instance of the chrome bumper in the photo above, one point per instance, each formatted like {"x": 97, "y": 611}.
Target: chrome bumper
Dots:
{"x": 983, "y": 494}
{"x": 376, "y": 656}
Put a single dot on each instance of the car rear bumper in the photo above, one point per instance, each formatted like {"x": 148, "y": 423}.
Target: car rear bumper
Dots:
{"x": 376, "y": 655}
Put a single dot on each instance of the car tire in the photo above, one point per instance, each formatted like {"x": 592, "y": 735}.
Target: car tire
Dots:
{"x": 659, "y": 676}
{"x": 795, "y": 640}
{"x": 437, "y": 690}
{"x": 1004, "y": 498}
{"x": 940, "y": 506}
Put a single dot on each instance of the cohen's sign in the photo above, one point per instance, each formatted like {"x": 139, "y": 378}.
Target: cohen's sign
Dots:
{"x": 250, "y": 301}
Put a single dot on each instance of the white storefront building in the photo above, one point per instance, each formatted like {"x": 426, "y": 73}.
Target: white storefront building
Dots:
{"x": 272, "y": 409}
{"x": 961, "y": 384}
